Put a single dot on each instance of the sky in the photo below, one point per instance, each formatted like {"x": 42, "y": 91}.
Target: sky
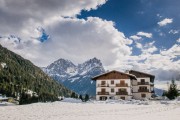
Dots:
{"x": 124, "y": 34}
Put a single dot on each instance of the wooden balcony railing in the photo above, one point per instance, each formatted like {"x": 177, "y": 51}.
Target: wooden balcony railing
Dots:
{"x": 143, "y": 90}
{"x": 152, "y": 84}
{"x": 103, "y": 93}
{"x": 122, "y": 85}
{"x": 143, "y": 83}
{"x": 122, "y": 93}
{"x": 103, "y": 85}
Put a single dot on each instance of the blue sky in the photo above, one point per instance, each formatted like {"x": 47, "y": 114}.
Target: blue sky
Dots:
{"x": 124, "y": 34}
{"x": 132, "y": 16}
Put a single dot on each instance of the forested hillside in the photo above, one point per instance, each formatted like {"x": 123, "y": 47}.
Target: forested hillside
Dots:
{"x": 18, "y": 75}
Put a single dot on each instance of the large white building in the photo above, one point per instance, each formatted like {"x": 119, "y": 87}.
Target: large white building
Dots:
{"x": 119, "y": 85}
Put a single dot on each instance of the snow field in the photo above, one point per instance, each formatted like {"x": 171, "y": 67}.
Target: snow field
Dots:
{"x": 70, "y": 109}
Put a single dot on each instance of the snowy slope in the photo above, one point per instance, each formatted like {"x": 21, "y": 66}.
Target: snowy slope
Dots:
{"x": 76, "y": 77}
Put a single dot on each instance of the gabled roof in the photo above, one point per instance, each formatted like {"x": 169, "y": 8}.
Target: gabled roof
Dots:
{"x": 139, "y": 74}
{"x": 113, "y": 71}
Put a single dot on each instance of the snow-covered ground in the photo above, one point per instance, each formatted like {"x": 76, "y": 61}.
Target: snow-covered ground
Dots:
{"x": 69, "y": 109}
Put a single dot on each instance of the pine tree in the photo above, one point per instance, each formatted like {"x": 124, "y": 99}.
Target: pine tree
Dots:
{"x": 86, "y": 97}
{"x": 73, "y": 95}
{"x": 173, "y": 91}
{"x": 80, "y": 97}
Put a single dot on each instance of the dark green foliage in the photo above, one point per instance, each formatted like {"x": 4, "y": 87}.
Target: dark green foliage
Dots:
{"x": 73, "y": 95}
{"x": 164, "y": 93}
{"x": 86, "y": 97}
{"x": 172, "y": 92}
{"x": 20, "y": 74}
{"x": 46, "y": 97}
{"x": 27, "y": 99}
{"x": 80, "y": 97}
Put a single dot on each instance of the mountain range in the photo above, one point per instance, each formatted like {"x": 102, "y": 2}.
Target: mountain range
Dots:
{"x": 76, "y": 77}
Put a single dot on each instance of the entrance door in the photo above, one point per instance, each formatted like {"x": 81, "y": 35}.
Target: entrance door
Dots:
{"x": 103, "y": 98}
{"x": 123, "y": 98}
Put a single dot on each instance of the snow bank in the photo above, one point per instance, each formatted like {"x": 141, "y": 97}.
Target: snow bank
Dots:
{"x": 69, "y": 109}
{"x": 6, "y": 104}
{"x": 71, "y": 100}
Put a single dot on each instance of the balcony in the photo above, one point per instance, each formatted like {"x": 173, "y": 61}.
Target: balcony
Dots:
{"x": 152, "y": 91}
{"x": 152, "y": 84}
{"x": 122, "y": 85}
{"x": 143, "y": 83}
{"x": 122, "y": 93}
{"x": 103, "y": 93}
{"x": 103, "y": 85}
{"x": 143, "y": 90}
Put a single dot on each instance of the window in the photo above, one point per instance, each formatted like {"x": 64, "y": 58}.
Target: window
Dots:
{"x": 123, "y": 98}
{"x": 143, "y": 88}
{"x": 121, "y": 90}
{"x": 112, "y": 90}
{"x": 103, "y": 82}
{"x": 143, "y": 80}
{"x": 143, "y": 95}
{"x": 112, "y": 82}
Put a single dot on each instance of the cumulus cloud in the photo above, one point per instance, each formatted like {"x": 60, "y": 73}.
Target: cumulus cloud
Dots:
{"x": 148, "y": 35}
{"x": 147, "y": 48}
{"x": 135, "y": 37}
{"x": 19, "y": 16}
{"x": 78, "y": 39}
{"x": 165, "y": 21}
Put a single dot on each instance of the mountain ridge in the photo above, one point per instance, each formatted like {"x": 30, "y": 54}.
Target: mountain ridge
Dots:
{"x": 76, "y": 77}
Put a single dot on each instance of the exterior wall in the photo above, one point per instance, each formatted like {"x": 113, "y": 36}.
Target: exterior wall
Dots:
{"x": 136, "y": 86}
{"x": 108, "y": 86}
{"x": 132, "y": 88}
{"x": 137, "y": 96}
{"x": 114, "y": 97}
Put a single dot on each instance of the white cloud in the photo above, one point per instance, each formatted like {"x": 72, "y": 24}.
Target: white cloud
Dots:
{"x": 178, "y": 40}
{"x": 158, "y": 15}
{"x": 148, "y": 35}
{"x": 147, "y": 48}
{"x": 22, "y": 17}
{"x": 135, "y": 37}
{"x": 165, "y": 21}
{"x": 77, "y": 40}
{"x": 174, "y": 31}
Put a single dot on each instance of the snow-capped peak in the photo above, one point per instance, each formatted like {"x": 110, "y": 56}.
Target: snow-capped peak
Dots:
{"x": 89, "y": 65}
{"x": 76, "y": 77}
{"x": 61, "y": 67}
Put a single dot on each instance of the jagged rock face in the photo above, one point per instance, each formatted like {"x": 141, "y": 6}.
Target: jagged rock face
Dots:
{"x": 61, "y": 68}
{"x": 77, "y": 78}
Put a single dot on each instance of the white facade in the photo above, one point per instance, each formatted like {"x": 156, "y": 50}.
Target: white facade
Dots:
{"x": 132, "y": 88}
{"x": 139, "y": 93}
{"x": 113, "y": 94}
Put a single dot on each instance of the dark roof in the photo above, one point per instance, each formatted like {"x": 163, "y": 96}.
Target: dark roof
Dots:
{"x": 142, "y": 73}
{"x": 152, "y": 77}
{"x": 130, "y": 75}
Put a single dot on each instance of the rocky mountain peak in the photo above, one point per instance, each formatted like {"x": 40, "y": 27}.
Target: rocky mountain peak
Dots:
{"x": 76, "y": 77}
